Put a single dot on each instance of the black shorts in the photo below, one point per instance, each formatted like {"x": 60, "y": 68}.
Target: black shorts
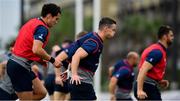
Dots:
{"x": 83, "y": 91}
{"x": 49, "y": 83}
{"x": 64, "y": 89}
{"x": 21, "y": 78}
{"x": 6, "y": 96}
{"x": 151, "y": 90}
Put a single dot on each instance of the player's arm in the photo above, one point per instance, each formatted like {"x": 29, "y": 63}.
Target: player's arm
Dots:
{"x": 112, "y": 87}
{"x": 140, "y": 79}
{"x": 110, "y": 71}
{"x": 38, "y": 50}
{"x": 88, "y": 47}
{"x": 40, "y": 35}
{"x": 79, "y": 54}
{"x": 152, "y": 59}
{"x": 65, "y": 54}
{"x": 62, "y": 56}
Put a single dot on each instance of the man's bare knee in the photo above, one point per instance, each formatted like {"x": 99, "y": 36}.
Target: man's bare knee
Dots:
{"x": 39, "y": 95}
{"x": 39, "y": 91}
{"x": 25, "y": 95}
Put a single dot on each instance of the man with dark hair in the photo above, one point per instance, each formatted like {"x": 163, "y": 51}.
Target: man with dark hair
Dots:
{"x": 29, "y": 47}
{"x": 85, "y": 53}
{"x": 122, "y": 77}
{"x": 152, "y": 67}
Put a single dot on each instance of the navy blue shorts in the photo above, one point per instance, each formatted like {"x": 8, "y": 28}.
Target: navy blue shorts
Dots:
{"x": 49, "y": 83}
{"x": 64, "y": 89}
{"x": 83, "y": 91}
{"x": 6, "y": 96}
{"x": 151, "y": 90}
{"x": 21, "y": 78}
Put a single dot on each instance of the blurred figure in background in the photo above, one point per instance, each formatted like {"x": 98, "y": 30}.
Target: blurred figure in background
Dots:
{"x": 6, "y": 89}
{"x": 50, "y": 78}
{"x": 55, "y": 89}
{"x": 62, "y": 91}
{"x": 5, "y": 57}
{"x": 122, "y": 77}
{"x": 81, "y": 34}
{"x": 152, "y": 67}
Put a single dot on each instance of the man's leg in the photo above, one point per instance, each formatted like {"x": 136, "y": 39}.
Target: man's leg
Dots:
{"x": 67, "y": 98}
{"x": 49, "y": 85}
{"x": 39, "y": 91}
{"x": 83, "y": 91}
{"x": 6, "y": 96}
{"x": 61, "y": 91}
{"x": 59, "y": 95}
{"x": 23, "y": 80}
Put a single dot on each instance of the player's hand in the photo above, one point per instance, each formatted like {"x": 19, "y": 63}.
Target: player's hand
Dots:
{"x": 76, "y": 79}
{"x": 141, "y": 94}
{"x": 64, "y": 75}
{"x": 44, "y": 63}
{"x": 57, "y": 63}
{"x": 113, "y": 98}
{"x": 58, "y": 80}
{"x": 164, "y": 83}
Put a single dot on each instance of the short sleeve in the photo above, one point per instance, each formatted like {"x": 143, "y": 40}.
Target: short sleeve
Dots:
{"x": 154, "y": 57}
{"x": 41, "y": 33}
{"x": 90, "y": 46}
{"x": 71, "y": 49}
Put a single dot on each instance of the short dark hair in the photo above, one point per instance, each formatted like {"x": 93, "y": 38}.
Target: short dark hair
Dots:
{"x": 82, "y": 33}
{"x": 106, "y": 21}
{"x": 51, "y": 8}
{"x": 163, "y": 30}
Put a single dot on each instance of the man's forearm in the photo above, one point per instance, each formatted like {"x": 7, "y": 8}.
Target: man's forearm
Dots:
{"x": 112, "y": 89}
{"x": 112, "y": 85}
{"x": 42, "y": 54}
{"x": 140, "y": 79}
{"x": 57, "y": 71}
{"x": 62, "y": 56}
{"x": 75, "y": 64}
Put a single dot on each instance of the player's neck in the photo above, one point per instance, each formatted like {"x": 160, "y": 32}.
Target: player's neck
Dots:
{"x": 164, "y": 43}
{"x": 44, "y": 20}
{"x": 130, "y": 62}
{"x": 101, "y": 35}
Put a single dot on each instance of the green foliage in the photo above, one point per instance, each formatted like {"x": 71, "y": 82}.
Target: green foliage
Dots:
{"x": 139, "y": 26}
{"x": 88, "y": 23}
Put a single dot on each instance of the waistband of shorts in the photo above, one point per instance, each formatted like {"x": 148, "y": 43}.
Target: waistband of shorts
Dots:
{"x": 124, "y": 90}
{"x": 21, "y": 58}
{"x": 151, "y": 81}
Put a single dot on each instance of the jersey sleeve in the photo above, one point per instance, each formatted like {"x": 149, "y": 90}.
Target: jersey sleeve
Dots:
{"x": 121, "y": 73}
{"x": 154, "y": 57}
{"x": 90, "y": 46}
{"x": 41, "y": 33}
{"x": 71, "y": 49}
